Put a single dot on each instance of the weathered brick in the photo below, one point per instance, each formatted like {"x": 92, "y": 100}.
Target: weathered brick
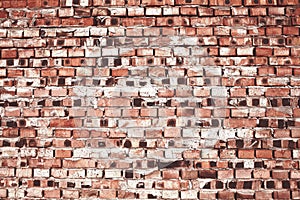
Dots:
{"x": 95, "y": 91}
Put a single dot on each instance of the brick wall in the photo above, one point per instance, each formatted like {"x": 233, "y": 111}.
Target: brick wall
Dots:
{"x": 149, "y": 99}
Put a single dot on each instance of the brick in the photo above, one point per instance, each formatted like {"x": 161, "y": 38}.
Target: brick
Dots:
{"x": 263, "y": 51}
{"x": 263, "y": 153}
{"x": 243, "y": 153}
{"x": 63, "y": 153}
{"x": 225, "y": 174}
{"x": 9, "y": 53}
{"x": 277, "y": 92}
{"x": 205, "y": 90}
{"x": 52, "y": 193}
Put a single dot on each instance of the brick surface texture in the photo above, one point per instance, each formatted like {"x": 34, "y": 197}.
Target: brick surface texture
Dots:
{"x": 149, "y": 99}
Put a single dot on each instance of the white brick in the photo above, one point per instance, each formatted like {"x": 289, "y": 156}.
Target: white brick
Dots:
{"x": 112, "y": 173}
{"x": 171, "y": 11}
{"x": 99, "y": 153}
{"x": 94, "y": 173}
{"x": 31, "y": 32}
{"x": 248, "y": 164}
{"x": 153, "y": 11}
{"x": 69, "y": 3}
{"x": 181, "y": 51}
{"x": 2, "y": 72}
{"x": 98, "y": 31}
{"x": 59, "y": 173}
{"x": 225, "y": 134}
{"x": 24, "y": 173}
{"x": 135, "y": 133}
{"x": 245, "y": 51}
{"x": 93, "y": 52}
{"x": 27, "y": 152}
{"x": 43, "y": 152}
{"x": 34, "y": 192}
{"x": 66, "y": 12}
{"x": 81, "y": 153}
{"x": 5, "y": 172}
{"x": 76, "y": 173}
{"x": 110, "y": 52}
{"x": 189, "y": 194}
{"x": 248, "y": 71}
{"x": 117, "y": 11}
{"x": 209, "y": 153}
{"x": 20, "y": 193}
{"x": 136, "y": 153}
{"x": 41, "y": 173}
{"x": 116, "y": 31}
{"x": 209, "y": 133}
{"x": 199, "y": 51}
{"x": 170, "y": 194}
{"x": 59, "y": 53}
{"x": 134, "y": 123}
{"x": 212, "y": 71}
{"x": 82, "y": 32}
{"x": 173, "y": 153}
{"x": 84, "y": 71}
{"x": 190, "y": 132}
{"x": 15, "y": 33}
{"x": 219, "y": 92}
{"x": 84, "y": 2}
{"x": 244, "y": 133}
{"x": 190, "y": 41}
{"x": 147, "y": 91}
{"x": 135, "y": 11}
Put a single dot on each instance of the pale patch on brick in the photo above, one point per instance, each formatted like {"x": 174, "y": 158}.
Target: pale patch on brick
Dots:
{"x": 41, "y": 173}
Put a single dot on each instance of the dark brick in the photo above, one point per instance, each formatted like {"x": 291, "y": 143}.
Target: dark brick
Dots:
{"x": 127, "y": 144}
{"x": 138, "y": 102}
{"x": 67, "y": 143}
{"x": 255, "y": 102}
{"x": 277, "y": 143}
{"x": 286, "y": 102}
{"x": 274, "y": 102}
{"x": 37, "y": 183}
{"x": 171, "y": 122}
{"x": 286, "y": 184}
{"x": 270, "y": 184}
{"x": 247, "y": 185}
{"x": 208, "y": 174}
{"x": 263, "y": 123}
{"x": 128, "y": 174}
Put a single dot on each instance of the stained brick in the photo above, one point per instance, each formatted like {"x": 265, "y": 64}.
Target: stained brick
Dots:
{"x": 152, "y": 99}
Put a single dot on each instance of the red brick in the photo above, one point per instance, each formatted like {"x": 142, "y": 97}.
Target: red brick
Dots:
{"x": 120, "y": 72}
{"x": 82, "y": 163}
{"x": 188, "y": 11}
{"x": 9, "y": 53}
{"x": 170, "y": 174}
{"x": 291, "y": 30}
{"x": 52, "y": 193}
{"x": 280, "y": 92}
{"x": 282, "y": 154}
{"x": 63, "y": 153}
{"x": 246, "y": 153}
{"x": 162, "y": 52}
{"x": 34, "y": 3}
{"x": 191, "y": 174}
{"x": 258, "y": 11}
{"x": 274, "y": 31}
{"x": 263, "y": 153}
{"x": 263, "y": 51}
